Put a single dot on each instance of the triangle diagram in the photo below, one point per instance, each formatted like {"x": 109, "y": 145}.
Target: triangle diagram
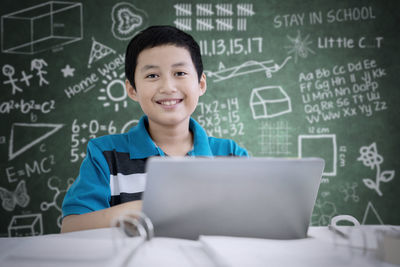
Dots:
{"x": 31, "y": 134}
{"x": 371, "y": 216}
{"x": 98, "y": 51}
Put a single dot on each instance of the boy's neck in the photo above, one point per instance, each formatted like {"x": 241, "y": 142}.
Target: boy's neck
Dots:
{"x": 174, "y": 141}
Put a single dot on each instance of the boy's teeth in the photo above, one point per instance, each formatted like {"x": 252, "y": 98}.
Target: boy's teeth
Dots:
{"x": 169, "y": 103}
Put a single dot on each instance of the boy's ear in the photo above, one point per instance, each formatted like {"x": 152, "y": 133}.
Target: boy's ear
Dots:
{"x": 130, "y": 90}
{"x": 203, "y": 84}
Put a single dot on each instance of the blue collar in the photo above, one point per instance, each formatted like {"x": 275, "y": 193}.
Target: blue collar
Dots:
{"x": 142, "y": 146}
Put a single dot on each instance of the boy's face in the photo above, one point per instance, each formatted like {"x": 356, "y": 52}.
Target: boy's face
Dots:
{"x": 167, "y": 86}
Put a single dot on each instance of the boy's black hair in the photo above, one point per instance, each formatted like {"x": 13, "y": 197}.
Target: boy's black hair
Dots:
{"x": 156, "y": 36}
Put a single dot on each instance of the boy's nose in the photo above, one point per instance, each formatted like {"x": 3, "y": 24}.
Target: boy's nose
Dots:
{"x": 167, "y": 86}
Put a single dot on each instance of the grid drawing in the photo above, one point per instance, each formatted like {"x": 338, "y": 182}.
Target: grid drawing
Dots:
{"x": 275, "y": 138}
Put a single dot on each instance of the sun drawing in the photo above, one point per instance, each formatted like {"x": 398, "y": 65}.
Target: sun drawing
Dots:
{"x": 114, "y": 91}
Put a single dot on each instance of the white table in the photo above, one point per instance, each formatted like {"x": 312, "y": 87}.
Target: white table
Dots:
{"x": 105, "y": 247}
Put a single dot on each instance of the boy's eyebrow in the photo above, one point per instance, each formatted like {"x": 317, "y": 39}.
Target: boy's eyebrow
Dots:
{"x": 148, "y": 67}
{"x": 179, "y": 64}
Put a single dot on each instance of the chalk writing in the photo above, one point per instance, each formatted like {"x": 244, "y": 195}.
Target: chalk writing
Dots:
{"x": 231, "y": 47}
{"x": 91, "y": 130}
{"x": 90, "y": 81}
{"x": 338, "y": 15}
{"x": 25, "y": 107}
{"x": 342, "y": 91}
{"x": 37, "y": 167}
{"x": 221, "y": 118}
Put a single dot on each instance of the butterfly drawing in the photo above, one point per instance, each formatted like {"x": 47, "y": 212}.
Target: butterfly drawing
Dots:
{"x": 18, "y": 197}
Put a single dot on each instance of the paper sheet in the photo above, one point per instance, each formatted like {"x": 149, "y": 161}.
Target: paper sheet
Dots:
{"x": 67, "y": 251}
{"x": 237, "y": 252}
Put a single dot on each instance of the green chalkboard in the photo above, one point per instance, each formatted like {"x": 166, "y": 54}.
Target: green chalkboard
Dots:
{"x": 285, "y": 79}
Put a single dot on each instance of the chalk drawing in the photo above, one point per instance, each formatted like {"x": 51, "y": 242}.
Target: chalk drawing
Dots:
{"x": 325, "y": 193}
{"x": 38, "y": 65}
{"x": 245, "y": 10}
{"x": 323, "y": 213}
{"x": 370, "y": 208}
{"x": 98, "y": 51}
{"x": 274, "y": 138}
{"x": 25, "y": 128}
{"x": 202, "y": 10}
{"x": 25, "y": 225}
{"x": 204, "y": 24}
{"x": 183, "y": 24}
{"x": 327, "y": 149}
{"x": 241, "y": 24}
{"x": 115, "y": 91}
{"x": 224, "y": 9}
{"x": 9, "y": 72}
{"x": 248, "y": 67}
{"x": 68, "y": 71}
{"x": 25, "y": 78}
{"x": 54, "y": 184}
{"x": 349, "y": 192}
{"x": 129, "y": 125}
{"x": 18, "y": 197}
{"x": 299, "y": 47}
{"x": 269, "y": 102}
{"x": 224, "y": 24}
{"x": 370, "y": 158}
{"x": 64, "y": 26}
{"x": 183, "y": 9}
{"x": 127, "y": 20}
{"x": 219, "y": 16}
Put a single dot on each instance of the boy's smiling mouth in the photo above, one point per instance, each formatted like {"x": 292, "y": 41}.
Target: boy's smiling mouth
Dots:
{"x": 169, "y": 102}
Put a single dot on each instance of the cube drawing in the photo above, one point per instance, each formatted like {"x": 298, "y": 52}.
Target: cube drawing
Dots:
{"x": 41, "y": 27}
{"x": 26, "y": 225}
{"x": 269, "y": 102}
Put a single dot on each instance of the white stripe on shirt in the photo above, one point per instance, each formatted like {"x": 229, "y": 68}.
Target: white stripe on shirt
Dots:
{"x": 131, "y": 183}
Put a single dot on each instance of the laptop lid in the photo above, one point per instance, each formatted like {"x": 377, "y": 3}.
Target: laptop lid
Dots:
{"x": 233, "y": 196}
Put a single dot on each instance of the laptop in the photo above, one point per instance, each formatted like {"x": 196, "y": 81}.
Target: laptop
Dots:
{"x": 186, "y": 197}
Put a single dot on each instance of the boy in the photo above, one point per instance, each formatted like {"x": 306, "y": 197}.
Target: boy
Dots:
{"x": 165, "y": 76}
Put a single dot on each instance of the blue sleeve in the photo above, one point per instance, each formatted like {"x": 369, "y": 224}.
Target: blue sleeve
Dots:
{"x": 91, "y": 189}
{"x": 226, "y": 147}
{"x": 239, "y": 151}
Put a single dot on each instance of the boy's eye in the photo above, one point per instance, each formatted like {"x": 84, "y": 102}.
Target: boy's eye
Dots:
{"x": 151, "y": 76}
{"x": 180, "y": 73}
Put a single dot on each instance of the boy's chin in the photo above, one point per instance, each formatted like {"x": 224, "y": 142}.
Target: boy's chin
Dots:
{"x": 170, "y": 120}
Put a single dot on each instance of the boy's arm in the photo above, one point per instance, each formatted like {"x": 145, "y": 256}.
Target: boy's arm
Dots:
{"x": 98, "y": 219}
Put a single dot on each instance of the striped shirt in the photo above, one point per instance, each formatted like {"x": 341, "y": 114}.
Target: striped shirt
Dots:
{"x": 113, "y": 170}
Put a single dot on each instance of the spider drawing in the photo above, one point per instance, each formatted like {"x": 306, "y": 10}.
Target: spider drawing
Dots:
{"x": 300, "y": 47}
